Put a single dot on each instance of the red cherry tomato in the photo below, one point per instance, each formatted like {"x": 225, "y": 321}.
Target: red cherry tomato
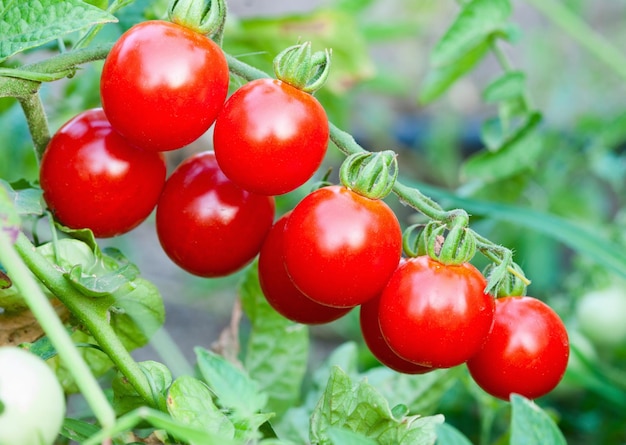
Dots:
{"x": 340, "y": 247}
{"x": 162, "y": 85}
{"x": 526, "y": 352}
{"x": 92, "y": 178}
{"x": 280, "y": 291}
{"x": 434, "y": 314}
{"x": 270, "y": 137}
{"x": 370, "y": 328}
{"x": 208, "y": 225}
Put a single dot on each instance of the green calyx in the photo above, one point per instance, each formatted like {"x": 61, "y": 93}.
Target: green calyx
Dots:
{"x": 370, "y": 174}
{"x": 507, "y": 281}
{"x": 450, "y": 243}
{"x": 301, "y": 68}
{"x": 206, "y": 17}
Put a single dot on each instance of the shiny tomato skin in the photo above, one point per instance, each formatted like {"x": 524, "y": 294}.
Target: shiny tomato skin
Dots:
{"x": 280, "y": 291}
{"x": 434, "y": 314}
{"x": 162, "y": 85}
{"x": 270, "y": 137}
{"x": 526, "y": 352}
{"x": 208, "y": 225}
{"x": 370, "y": 329}
{"x": 340, "y": 247}
{"x": 93, "y": 178}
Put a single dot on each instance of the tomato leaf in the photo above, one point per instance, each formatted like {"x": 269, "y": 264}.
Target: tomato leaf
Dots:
{"x": 78, "y": 430}
{"x": 277, "y": 350}
{"x": 359, "y": 408}
{"x": 449, "y": 435}
{"x": 137, "y": 312}
{"x": 190, "y": 401}
{"x": 233, "y": 386}
{"x": 26, "y": 199}
{"x": 519, "y": 151}
{"x": 531, "y": 425}
{"x": 26, "y": 25}
{"x": 342, "y": 436}
{"x": 440, "y": 78}
{"x": 126, "y": 398}
{"x": 421, "y": 393}
{"x": 508, "y": 86}
{"x": 473, "y": 26}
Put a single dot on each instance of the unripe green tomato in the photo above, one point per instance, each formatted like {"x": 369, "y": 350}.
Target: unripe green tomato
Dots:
{"x": 600, "y": 315}
{"x": 32, "y": 403}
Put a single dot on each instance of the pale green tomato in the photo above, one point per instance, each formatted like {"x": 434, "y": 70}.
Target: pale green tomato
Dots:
{"x": 32, "y": 403}
{"x": 601, "y": 315}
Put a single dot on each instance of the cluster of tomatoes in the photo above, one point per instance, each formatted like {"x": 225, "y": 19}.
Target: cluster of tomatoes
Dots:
{"x": 336, "y": 250}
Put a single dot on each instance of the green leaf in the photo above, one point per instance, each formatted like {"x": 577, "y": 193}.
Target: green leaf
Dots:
{"x": 102, "y": 284}
{"x": 233, "y": 386}
{"x": 190, "y": 401}
{"x": 359, "y": 408}
{"x": 78, "y": 430}
{"x": 277, "y": 350}
{"x": 510, "y": 85}
{"x": 581, "y": 239}
{"x": 472, "y": 28}
{"x": 137, "y": 312}
{"x": 449, "y": 435}
{"x": 518, "y": 152}
{"x": 421, "y": 393}
{"x": 441, "y": 78}
{"x": 342, "y": 436}
{"x": 126, "y": 398}
{"x": 29, "y": 24}
{"x": 530, "y": 425}
{"x": 27, "y": 200}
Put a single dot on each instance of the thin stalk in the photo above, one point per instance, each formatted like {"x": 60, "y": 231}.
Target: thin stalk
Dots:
{"x": 91, "y": 312}
{"x": 54, "y": 329}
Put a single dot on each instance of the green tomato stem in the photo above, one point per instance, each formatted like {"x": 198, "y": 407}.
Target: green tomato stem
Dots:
{"x": 91, "y": 312}
{"x": 54, "y": 329}
{"x": 37, "y": 122}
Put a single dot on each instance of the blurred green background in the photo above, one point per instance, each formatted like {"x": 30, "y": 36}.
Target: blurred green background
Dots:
{"x": 562, "y": 209}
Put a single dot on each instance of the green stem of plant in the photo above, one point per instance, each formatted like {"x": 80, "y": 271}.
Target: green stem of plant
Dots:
{"x": 37, "y": 122}
{"x": 61, "y": 63}
{"x": 581, "y": 32}
{"x": 54, "y": 329}
{"x": 92, "y": 312}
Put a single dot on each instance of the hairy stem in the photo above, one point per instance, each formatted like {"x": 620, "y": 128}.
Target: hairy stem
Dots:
{"x": 37, "y": 122}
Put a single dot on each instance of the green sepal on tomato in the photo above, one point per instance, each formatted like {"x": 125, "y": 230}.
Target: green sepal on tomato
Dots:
{"x": 341, "y": 247}
{"x": 93, "y": 178}
{"x": 163, "y": 84}
{"x": 278, "y": 288}
{"x": 270, "y": 137}
{"x": 526, "y": 352}
{"x": 207, "y": 224}
{"x": 435, "y": 314}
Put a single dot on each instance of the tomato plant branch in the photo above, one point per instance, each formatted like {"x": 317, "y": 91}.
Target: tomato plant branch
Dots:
{"x": 54, "y": 329}
{"x": 409, "y": 195}
{"x": 581, "y": 32}
{"x": 92, "y": 312}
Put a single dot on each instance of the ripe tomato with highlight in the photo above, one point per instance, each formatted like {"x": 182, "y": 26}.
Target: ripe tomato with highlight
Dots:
{"x": 208, "y": 225}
